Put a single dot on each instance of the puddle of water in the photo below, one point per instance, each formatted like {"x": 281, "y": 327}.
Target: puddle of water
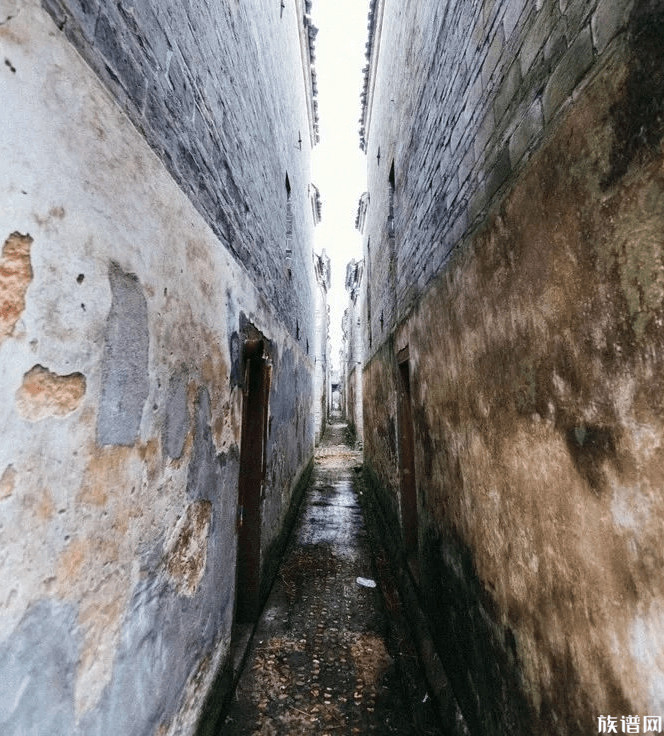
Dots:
{"x": 332, "y": 516}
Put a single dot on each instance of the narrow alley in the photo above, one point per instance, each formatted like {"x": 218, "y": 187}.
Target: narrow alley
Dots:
{"x": 323, "y": 656}
{"x": 213, "y": 275}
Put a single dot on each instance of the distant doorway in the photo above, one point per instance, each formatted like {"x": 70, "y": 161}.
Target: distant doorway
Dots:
{"x": 252, "y": 474}
{"x": 407, "y": 459}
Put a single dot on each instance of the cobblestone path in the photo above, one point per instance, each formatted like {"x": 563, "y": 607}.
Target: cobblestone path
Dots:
{"x": 320, "y": 661}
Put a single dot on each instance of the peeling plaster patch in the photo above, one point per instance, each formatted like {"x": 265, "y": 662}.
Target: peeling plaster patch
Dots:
{"x": 125, "y": 363}
{"x": 15, "y": 277}
{"x": 94, "y": 569}
{"x": 186, "y": 554}
{"x": 203, "y": 475}
{"x": 176, "y": 422}
{"x": 44, "y": 394}
{"x": 7, "y": 482}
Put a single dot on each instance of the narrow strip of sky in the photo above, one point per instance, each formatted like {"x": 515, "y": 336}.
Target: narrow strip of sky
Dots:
{"x": 339, "y": 167}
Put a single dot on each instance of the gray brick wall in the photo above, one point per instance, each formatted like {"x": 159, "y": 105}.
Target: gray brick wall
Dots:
{"x": 218, "y": 92}
{"x": 462, "y": 96}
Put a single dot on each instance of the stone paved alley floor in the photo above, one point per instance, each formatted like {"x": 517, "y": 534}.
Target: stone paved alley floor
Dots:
{"x": 325, "y": 657}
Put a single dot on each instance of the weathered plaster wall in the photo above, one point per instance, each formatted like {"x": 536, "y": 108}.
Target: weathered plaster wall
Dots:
{"x": 535, "y": 356}
{"x": 321, "y": 350}
{"x": 353, "y": 345}
{"x": 120, "y": 356}
{"x": 353, "y": 391}
{"x": 178, "y": 72}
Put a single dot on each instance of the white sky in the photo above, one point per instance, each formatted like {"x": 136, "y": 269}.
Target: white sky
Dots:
{"x": 339, "y": 166}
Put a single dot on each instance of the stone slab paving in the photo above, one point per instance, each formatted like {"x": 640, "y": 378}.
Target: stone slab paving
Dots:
{"x": 320, "y": 660}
